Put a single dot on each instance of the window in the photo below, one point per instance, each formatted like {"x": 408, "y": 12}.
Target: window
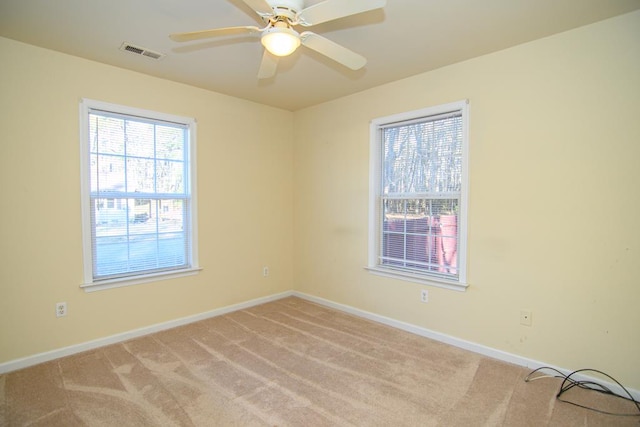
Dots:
{"x": 138, "y": 182}
{"x": 418, "y": 195}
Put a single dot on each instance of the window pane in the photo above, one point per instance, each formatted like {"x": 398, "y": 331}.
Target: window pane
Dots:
{"x": 109, "y": 215}
{"x": 109, "y": 173}
{"x": 170, "y": 142}
{"x": 139, "y": 234}
{"x": 423, "y": 157}
{"x": 172, "y": 214}
{"x": 170, "y": 176}
{"x": 421, "y": 234}
{"x": 172, "y": 250}
{"x": 140, "y": 174}
{"x": 140, "y": 139}
{"x": 106, "y": 135}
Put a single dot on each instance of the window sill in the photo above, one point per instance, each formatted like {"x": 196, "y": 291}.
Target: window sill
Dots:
{"x": 418, "y": 278}
{"x": 130, "y": 281}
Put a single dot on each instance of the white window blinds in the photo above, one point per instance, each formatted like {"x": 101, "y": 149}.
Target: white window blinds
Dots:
{"x": 139, "y": 194}
{"x": 421, "y": 178}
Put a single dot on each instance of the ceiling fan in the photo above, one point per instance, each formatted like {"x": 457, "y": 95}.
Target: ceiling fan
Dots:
{"x": 280, "y": 39}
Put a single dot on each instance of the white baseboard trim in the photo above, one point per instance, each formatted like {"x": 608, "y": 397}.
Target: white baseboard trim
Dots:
{"x": 460, "y": 343}
{"x": 25, "y": 362}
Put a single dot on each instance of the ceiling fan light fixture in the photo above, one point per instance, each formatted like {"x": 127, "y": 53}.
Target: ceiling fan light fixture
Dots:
{"x": 280, "y": 41}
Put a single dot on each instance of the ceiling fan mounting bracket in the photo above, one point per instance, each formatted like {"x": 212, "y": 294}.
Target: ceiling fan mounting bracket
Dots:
{"x": 280, "y": 22}
{"x": 284, "y": 8}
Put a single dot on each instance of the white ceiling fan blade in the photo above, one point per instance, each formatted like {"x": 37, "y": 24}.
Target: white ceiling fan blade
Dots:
{"x": 268, "y": 65}
{"x": 261, "y": 7}
{"x": 333, "y": 9}
{"x": 333, "y": 50}
{"x": 205, "y": 34}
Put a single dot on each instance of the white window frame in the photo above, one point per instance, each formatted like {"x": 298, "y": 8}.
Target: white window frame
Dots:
{"x": 89, "y": 283}
{"x": 375, "y": 198}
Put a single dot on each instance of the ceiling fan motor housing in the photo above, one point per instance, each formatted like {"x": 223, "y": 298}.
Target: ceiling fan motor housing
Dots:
{"x": 287, "y": 8}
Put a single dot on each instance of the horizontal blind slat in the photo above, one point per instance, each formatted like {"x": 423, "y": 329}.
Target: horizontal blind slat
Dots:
{"x": 433, "y": 118}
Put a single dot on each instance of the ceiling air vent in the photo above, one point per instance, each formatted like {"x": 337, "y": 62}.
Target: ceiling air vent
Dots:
{"x": 128, "y": 47}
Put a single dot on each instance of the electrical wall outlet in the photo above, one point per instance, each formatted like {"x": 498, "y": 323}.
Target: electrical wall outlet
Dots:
{"x": 525, "y": 317}
{"x": 265, "y": 271}
{"x": 61, "y": 309}
{"x": 424, "y": 295}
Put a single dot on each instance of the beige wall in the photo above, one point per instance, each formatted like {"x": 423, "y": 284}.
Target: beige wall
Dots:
{"x": 245, "y": 201}
{"x": 554, "y": 200}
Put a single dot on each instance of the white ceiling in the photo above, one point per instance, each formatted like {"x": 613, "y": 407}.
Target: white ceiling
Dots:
{"x": 405, "y": 38}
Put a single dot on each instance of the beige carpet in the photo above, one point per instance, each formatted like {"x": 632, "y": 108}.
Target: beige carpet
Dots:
{"x": 289, "y": 363}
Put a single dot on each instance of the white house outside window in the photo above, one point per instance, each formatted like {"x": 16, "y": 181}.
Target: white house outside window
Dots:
{"x": 418, "y": 197}
{"x": 137, "y": 195}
